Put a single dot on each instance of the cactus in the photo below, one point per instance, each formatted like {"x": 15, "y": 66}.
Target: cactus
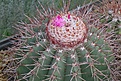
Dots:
{"x": 112, "y": 10}
{"x": 7, "y": 68}
{"x": 7, "y": 62}
{"x": 2, "y": 65}
{"x": 67, "y": 45}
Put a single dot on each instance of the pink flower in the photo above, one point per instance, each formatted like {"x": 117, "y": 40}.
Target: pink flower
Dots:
{"x": 58, "y": 21}
{"x": 69, "y": 16}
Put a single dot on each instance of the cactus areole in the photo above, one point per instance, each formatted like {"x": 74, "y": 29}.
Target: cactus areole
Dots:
{"x": 66, "y": 30}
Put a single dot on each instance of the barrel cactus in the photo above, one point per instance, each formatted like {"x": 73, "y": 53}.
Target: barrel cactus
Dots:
{"x": 112, "y": 10}
{"x": 7, "y": 61}
{"x": 67, "y": 45}
{"x": 2, "y": 66}
{"x": 7, "y": 65}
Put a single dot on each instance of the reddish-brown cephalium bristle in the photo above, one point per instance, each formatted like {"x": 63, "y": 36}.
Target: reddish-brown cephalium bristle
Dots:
{"x": 66, "y": 30}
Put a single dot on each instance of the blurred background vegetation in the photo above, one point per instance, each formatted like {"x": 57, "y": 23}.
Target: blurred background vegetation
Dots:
{"x": 12, "y": 11}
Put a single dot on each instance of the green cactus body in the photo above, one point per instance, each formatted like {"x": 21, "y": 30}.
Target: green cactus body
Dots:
{"x": 47, "y": 56}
